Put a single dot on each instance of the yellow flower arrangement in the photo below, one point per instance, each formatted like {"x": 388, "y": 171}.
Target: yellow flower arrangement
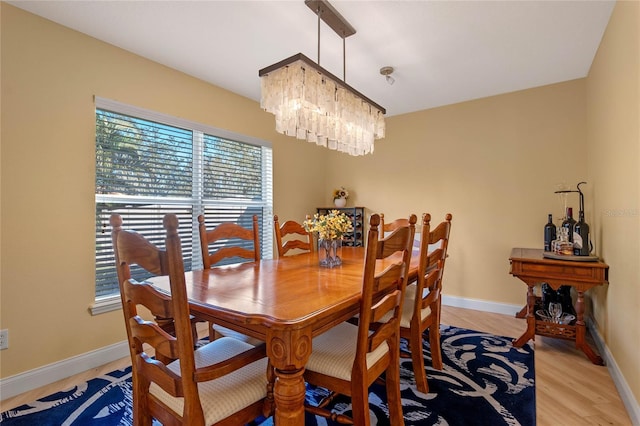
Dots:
{"x": 331, "y": 226}
{"x": 340, "y": 193}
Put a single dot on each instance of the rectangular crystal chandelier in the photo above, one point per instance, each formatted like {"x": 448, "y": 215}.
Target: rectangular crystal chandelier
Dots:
{"x": 312, "y": 104}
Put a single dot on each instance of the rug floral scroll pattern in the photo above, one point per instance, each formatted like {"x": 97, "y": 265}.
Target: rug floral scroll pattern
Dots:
{"x": 485, "y": 381}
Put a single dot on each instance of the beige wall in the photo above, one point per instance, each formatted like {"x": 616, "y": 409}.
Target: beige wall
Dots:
{"x": 613, "y": 145}
{"x": 493, "y": 163}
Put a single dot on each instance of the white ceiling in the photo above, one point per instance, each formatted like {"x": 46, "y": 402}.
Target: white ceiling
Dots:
{"x": 443, "y": 52}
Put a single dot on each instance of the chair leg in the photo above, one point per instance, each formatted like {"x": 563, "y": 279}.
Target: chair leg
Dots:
{"x": 434, "y": 343}
{"x": 141, "y": 415}
{"x": 394, "y": 400}
{"x": 434, "y": 337}
{"x": 194, "y": 333}
{"x": 212, "y": 333}
{"x": 360, "y": 404}
{"x": 418, "y": 360}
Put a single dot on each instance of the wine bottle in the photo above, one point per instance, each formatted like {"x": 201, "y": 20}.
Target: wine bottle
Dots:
{"x": 549, "y": 233}
{"x": 569, "y": 223}
{"x": 564, "y": 298}
{"x": 581, "y": 244}
{"x": 548, "y": 295}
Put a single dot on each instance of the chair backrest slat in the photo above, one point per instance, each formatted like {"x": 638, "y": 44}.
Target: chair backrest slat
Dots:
{"x": 228, "y": 231}
{"x": 292, "y": 228}
{"x": 385, "y": 228}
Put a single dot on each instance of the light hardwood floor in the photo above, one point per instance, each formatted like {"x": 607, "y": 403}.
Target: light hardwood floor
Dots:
{"x": 570, "y": 390}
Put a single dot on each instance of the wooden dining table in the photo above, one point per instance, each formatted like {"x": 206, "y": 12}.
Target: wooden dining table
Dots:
{"x": 285, "y": 302}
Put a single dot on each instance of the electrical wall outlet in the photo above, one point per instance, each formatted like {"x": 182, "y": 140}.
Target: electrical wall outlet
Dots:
{"x": 4, "y": 339}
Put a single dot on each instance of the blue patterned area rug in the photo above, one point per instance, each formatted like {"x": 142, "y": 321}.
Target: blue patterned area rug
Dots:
{"x": 485, "y": 381}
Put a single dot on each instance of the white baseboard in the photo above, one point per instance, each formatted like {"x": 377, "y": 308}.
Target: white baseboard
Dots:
{"x": 481, "y": 305}
{"x": 42, "y": 376}
{"x": 628, "y": 399}
{"x": 33, "y": 379}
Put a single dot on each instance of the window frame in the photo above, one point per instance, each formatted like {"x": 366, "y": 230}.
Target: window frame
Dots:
{"x": 199, "y": 132}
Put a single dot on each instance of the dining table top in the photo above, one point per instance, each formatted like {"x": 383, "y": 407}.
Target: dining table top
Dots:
{"x": 274, "y": 292}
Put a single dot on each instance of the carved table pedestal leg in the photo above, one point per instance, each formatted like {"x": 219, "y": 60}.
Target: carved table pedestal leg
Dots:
{"x": 289, "y": 352}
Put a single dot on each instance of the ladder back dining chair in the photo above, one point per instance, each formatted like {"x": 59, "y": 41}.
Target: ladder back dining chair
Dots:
{"x": 225, "y": 382}
{"x": 231, "y": 242}
{"x": 348, "y": 358}
{"x": 423, "y": 301}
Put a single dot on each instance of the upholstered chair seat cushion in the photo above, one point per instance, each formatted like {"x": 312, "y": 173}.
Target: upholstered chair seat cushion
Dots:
{"x": 224, "y": 396}
{"x": 333, "y": 352}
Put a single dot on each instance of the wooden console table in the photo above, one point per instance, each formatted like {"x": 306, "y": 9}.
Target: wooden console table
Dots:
{"x": 530, "y": 266}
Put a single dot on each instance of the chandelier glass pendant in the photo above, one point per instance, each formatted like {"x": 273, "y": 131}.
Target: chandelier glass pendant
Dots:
{"x": 311, "y": 104}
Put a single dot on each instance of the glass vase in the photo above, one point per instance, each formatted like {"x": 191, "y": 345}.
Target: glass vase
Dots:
{"x": 328, "y": 253}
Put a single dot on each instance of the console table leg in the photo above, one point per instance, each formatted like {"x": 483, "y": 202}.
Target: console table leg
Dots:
{"x": 530, "y": 332}
{"x": 522, "y": 313}
{"x": 581, "y": 342}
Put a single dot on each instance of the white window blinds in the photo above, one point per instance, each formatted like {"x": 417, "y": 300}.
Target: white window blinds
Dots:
{"x": 149, "y": 164}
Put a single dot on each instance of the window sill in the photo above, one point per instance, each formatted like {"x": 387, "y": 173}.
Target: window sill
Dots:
{"x": 105, "y": 304}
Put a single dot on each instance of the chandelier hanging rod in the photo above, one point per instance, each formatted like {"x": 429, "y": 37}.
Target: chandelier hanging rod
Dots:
{"x": 309, "y": 62}
{"x": 336, "y": 22}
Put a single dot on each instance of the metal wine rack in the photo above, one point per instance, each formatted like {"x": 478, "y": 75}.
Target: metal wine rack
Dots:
{"x": 356, "y": 214}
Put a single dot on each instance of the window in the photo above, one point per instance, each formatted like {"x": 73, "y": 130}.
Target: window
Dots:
{"x": 149, "y": 164}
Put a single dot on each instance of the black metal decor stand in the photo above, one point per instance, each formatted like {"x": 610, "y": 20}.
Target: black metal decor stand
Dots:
{"x": 579, "y": 191}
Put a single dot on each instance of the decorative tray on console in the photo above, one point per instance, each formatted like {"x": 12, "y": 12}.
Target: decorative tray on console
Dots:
{"x": 552, "y": 255}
